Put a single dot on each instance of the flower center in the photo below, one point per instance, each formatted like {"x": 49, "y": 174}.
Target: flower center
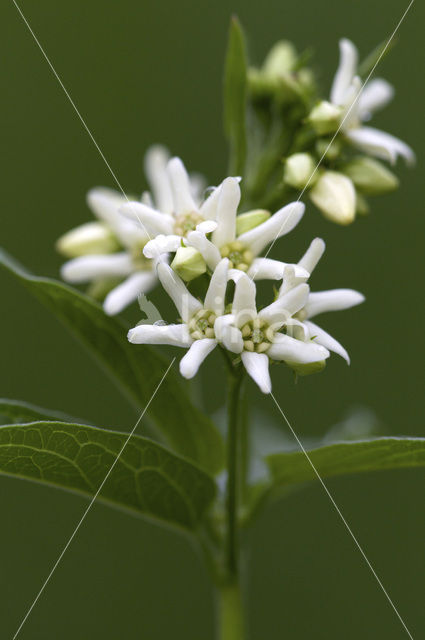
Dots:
{"x": 201, "y": 324}
{"x": 187, "y": 222}
{"x": 240, "y": 257}
{"x": 257, "y": 335}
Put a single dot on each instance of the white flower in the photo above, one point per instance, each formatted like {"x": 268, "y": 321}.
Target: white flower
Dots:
{"x": 318, "y": 302}
{"x": 259, "y": 337}
{"x": 358, "y": 102}
{"x": 110, "y": 250}
{"x": 197, "y": 330}
{"x": 243, "y": 250}
{"x": 176, "y": 208}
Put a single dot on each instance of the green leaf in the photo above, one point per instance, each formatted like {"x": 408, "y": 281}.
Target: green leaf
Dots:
{"x": 235, "y": 95}
{"x": 147, "y": 479}
{"x": 18, "y": 412}
{"x": 137, "y": 368}
{"x": 347, "y": 457}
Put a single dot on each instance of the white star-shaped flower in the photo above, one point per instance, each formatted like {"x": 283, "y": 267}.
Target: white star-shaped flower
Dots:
{"x": 110, "y": 250}
{"x": 197, "y": 330}
{"x": 241, "y": 250}
{"x": 358, "y": 102}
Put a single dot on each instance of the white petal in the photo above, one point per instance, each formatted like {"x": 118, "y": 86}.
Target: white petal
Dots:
{"x": 298, "y": 330}
{"x": 186, "y": 304}
{"x": 352, "y": 113}
{"x": 215, "y": 296}
{"x": 333, "y": 300}
{"x": 161, "y": 244}
{"x": 146, "y": 198}
{"x": 156, "y": 160}
{"x": 291, "y": 279}
{"x": 380, "y": 144}
{"x": 243, "y": 307}
{"x": 257, "y": 366}
{"x": 208, "y": 226}
{"x": 128, "y": 291}
{"x": 282, "y": 222}
{"x": 326, "y": 340}
{"x": 206, "y": 248}
{"x": 197, "y": 353}
{"x": 227, "y": 334}
{"x": 88, "y": 268}
{"x": 227, "y": 207}
{"x": 208, "y": 209}
{"x": 105, "y": 204}
{"x": 268, "y": 269}
{"x": 176, "y": 335}
{"x": 287, "y": 348}
{"x": 180, "y": 184}
{"x": 277, "y": 313}
{"x": 348, "y": 58}
{"x": 154, "y": 221}
{"x": 312, "y": 255}
{"x": 375, "y": 94}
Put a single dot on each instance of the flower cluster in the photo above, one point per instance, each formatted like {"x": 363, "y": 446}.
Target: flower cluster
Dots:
{"x": 332, "y": 154}
{"x": 338, "y": 188}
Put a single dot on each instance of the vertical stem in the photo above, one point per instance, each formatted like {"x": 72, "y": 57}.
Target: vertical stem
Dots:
{"x": 230, "y": 612}
{"x": 230, "y": 616}
{"x": 233, "y": 472}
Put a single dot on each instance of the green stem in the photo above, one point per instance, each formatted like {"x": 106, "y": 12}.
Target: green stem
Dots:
{"x": 230, "y": 614}
{"x": 233, "y": 472}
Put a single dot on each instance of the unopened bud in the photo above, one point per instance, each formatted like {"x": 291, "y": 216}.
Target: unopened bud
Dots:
{"x": 325, "y": 117}
{"x": 281, "y": 59}
{"x": 370, "y": 176}
{"x": 307, "y": 369}
{"x": 335, "y": 196}
{"x": 329, "y": 149}
{"x": 251, "y": 219}
{"x": 362, "y": 206}
{"x": 89, "y": 238}
{"x": 299, "y": 170}
{"x": 188, "y": 263}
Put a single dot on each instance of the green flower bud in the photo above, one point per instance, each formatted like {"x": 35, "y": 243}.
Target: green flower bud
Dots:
{"x": 307, "y": 369}
{"x": 281, "y": 59}
{"x": 362, "y": 206}
{"x": 299, "y": 169}
{"x": 335, "y": 196}
{"x": 188, "y": 263}
{"x": 325, "y": 117}
{"x": 89, "y": 238}
{"x": 370, "y": 176}
{"x": 330, "y": 150}
{"x": 251, "y": 219}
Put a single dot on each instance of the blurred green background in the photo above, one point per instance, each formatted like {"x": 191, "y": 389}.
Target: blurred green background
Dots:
{"x": 144, "y": 72}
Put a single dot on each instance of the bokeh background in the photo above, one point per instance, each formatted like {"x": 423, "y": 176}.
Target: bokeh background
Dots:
{"x": 144, "y": 72}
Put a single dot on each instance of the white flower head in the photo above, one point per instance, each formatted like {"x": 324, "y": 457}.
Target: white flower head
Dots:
{"x": 110, "y": 251}
{"x": 197, "y": 329}
{"x": 243, "y": 249}
{"x": 358, "y": 102}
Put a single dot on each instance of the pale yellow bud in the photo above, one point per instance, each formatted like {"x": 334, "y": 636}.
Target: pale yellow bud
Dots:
{"x": 325, "y": 117}
{"x": 299, "y": 170}
{"x": 89, "y": 238}
{"x": 335, "y": 196}
{"x": 188, "y": 263}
